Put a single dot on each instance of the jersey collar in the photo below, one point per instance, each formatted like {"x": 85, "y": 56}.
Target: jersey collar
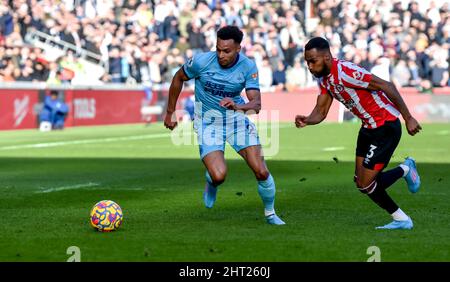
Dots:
{"x": 334, "y": 68}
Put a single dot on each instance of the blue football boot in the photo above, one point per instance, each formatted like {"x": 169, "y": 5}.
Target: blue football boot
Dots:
{"x": 274, "y": 219}
{"x": 412, "y": 177}
{"x": 398, "y": 224}
{"x": 209, "y": 195}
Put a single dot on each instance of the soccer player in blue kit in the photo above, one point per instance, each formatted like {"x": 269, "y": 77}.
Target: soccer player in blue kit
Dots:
{"x": 220, "y": 77}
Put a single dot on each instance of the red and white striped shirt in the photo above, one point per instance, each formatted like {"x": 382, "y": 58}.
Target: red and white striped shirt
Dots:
{"x": 348, "y": 82}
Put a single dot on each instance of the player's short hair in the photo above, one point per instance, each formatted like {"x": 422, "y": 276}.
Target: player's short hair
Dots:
{"x": 230, "y": 32}
{"x": 318, "y": 43}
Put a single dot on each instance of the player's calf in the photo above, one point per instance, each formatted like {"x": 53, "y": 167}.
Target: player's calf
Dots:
{"x": 216, "y": 177}
{"x": 376, "y": 191}
{"x": 267, "y": 190}
{"x": 210, "y": 193}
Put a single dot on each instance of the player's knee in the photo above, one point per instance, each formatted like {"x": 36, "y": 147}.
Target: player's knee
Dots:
{"x": 366, "y": 188}
{"x": 218, "y": 176}
{"x": 359, "y": 184}
{"x": 262, "y": 173}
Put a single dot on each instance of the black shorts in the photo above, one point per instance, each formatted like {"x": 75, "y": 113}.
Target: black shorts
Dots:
{"x": 377, "y": 145}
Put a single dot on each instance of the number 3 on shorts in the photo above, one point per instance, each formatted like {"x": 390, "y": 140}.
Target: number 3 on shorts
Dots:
{"x": 371, "y": 152}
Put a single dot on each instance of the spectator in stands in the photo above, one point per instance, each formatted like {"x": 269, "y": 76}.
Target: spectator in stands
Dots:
{"x": 401, "y": 75}
{"x": 6, "y": 20}
{"x": 170, "y": 28}
{"x": 296, "y": 76}
{"x": 265, "y": 76}
{"x": 279, "y": 77}
{"x": 141, "y": 30}
{"x": 54, "y": 74}
{"x": 414, "y": 71}
{"x": 439, "y": 65}
{"x": 196, "y": 37}
{"x": 382, "y": 68}
{"x": 40, "y": 72}
{"x": 115, "y": 65}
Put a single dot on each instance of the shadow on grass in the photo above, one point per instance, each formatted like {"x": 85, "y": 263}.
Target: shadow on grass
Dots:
{"x": 39, "y": 177}
{"x": 327, "y": 218}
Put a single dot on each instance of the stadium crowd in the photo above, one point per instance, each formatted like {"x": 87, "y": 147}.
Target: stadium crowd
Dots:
{"x": 147, "y": 41}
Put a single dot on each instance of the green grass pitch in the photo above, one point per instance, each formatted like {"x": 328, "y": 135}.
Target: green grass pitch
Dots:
{"x": 50, "y": 181}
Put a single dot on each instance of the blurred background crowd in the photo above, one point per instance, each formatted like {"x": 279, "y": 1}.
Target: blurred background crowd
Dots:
{"x": 146, "y": 41}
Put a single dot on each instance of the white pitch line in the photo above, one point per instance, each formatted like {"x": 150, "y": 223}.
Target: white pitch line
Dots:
{"x": 70, "y": 187}
{"x": 88, "y": 141}
{"x": 101, "y": 140}
{"x": 332, "y": 149}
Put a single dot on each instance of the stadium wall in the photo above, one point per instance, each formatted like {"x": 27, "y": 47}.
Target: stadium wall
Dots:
{"x": 20, "y": 107}
{"x": 433, "y": 107}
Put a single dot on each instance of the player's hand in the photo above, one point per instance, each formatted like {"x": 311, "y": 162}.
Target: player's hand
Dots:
{"x": 170, "y": 121}
{"x": 300, "y": 121}
{"x": 228, "y": 103}
{"x": 413, "y": 126}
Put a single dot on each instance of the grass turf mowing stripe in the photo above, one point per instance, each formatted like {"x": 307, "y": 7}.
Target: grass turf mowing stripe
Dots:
{"x": 327, "y": 219}
{"x": 88, "y": 141}
{"x": 69, "y": 187}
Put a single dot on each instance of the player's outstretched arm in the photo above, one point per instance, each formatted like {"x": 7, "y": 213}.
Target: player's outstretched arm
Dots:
{"x": 318, "y": 114}
{"x": 253, "y": 105}
{"x": 174, "y": 92}
{"x": 376, "y": 83}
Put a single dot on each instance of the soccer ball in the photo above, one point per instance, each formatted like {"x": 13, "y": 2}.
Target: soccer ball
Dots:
{"x": 106, "y": 216}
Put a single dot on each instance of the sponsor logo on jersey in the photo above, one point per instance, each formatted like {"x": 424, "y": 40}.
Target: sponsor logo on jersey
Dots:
{"x": 218, "y": 89}
{"x": 240, "y": 78}
{"x": 339, "y": 88}
{"x": 349, "y": 104}
{"x": 357, "y": 74}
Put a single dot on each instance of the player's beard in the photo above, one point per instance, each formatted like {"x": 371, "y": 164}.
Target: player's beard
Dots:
{"x": 225, "y": 63}
{"x": 324, "y": 72}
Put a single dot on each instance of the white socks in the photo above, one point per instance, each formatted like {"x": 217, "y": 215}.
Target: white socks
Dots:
{"x": 267, "y": 212}
{"x": 405, "y": 169}
{"x": 399, "y": 215}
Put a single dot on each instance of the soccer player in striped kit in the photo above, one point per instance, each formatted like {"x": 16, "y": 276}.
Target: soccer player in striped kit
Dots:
{"x": 378, "y": 104}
